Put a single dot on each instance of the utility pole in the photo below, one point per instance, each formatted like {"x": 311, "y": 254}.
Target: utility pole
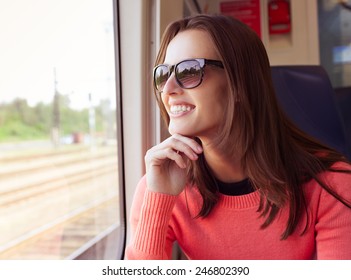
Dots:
{"x": 55, "y": 133}
{"x": 92, "y": 122}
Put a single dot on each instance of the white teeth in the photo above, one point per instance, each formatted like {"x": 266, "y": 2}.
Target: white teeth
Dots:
{"x": 177, "y": 109}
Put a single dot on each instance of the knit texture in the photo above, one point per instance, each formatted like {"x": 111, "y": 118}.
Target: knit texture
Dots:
{"x": 233, "y": 228}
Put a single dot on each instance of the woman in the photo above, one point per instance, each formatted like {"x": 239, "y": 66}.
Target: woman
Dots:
{"x": 236, "y": 179}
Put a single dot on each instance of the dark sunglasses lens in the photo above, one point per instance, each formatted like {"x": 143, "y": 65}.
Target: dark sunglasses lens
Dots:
{"x": 189, "y": 74}
{"x": 160, "y": 77}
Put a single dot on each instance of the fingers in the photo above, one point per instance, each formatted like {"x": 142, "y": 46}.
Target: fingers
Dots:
{"x": 176, "y": 148}
{"x": 186, "y": 143}
{"x": 184, "y": 146}
{"x": 158, "y": 157}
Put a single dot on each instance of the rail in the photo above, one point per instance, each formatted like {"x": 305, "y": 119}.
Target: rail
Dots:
{"x": 52, "y": 204}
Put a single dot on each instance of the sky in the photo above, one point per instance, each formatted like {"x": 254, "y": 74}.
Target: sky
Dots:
{"x": 73, "y": 38}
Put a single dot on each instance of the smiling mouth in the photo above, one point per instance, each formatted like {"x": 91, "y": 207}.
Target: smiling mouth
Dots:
{"x": 178, "y": 109}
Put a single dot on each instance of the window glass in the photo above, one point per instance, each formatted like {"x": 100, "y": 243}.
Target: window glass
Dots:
{"x": 334, "y": 19}
{"x": 59, "y": 183}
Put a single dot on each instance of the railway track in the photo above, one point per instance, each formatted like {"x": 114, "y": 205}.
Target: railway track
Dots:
{"x": 54, "y": 204}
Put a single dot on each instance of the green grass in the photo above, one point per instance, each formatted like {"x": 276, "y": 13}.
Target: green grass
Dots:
{"x": 18, "y": 131}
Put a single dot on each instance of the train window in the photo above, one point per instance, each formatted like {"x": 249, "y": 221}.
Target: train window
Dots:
{"x": 60, "y": 148}
{"x": 334, "y": 23}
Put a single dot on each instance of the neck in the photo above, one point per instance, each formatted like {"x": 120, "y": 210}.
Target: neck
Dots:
{"x": 224, "y": 168}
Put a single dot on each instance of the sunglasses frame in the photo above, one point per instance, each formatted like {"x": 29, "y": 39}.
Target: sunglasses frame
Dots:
{"x": 171, "y": 68}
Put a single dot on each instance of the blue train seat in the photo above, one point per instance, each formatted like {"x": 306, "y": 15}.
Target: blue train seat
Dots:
{"x": 307, "y": 97}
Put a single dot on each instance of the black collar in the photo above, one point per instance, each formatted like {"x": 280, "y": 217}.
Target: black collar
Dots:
{"x": 236, "y": 188}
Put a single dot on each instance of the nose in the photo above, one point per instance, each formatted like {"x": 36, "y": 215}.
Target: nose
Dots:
{"x": 171, "y": 86}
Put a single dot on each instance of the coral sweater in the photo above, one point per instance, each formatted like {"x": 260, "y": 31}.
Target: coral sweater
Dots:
{"x": 232, "y": 230}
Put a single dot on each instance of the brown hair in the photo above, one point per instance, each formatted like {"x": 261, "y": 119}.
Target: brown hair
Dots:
{"x": 277, "y": 156}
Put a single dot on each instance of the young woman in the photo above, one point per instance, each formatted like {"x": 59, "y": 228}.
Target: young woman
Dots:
{"x": 236, "y": 179}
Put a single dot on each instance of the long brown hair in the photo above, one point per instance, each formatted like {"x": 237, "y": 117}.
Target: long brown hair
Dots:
{"x": 277, "y": 156}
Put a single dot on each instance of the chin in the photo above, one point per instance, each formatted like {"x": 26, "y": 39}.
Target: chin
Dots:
{"x": 184, "y": 132}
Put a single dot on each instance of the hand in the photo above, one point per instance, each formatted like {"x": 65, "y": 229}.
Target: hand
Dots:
{"x": 166, "y": 164}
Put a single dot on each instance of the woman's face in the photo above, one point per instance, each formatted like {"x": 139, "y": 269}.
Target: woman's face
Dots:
{"x": 205, "y": 104}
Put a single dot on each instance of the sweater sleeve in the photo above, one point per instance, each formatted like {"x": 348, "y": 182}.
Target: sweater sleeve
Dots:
{"x": 333, "y": 227}
{"x": 152, "y": 236}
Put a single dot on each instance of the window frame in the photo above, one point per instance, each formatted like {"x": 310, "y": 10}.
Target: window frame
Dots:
{"x": 101, "y": 248}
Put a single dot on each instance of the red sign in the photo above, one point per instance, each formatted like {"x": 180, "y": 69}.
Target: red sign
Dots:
{"x": 247, "y": 11}
{"x": 279, "y": 17}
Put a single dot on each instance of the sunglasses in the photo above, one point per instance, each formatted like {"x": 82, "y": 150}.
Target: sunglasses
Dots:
{"x": 188, "y": 73}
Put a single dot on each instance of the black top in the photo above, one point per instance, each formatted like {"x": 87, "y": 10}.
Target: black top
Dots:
{"x": 237, "y": 188}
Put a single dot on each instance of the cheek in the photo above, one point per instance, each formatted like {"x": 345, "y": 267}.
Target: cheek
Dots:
{"x": 212, "y": 110}
{"x": 220, "y": 107}
{"x": 162, "y": 99}
{"x": 162, "y": 106}
{"x": 218, "y": 101}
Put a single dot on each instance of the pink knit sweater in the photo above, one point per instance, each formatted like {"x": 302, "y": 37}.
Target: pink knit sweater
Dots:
{"x": 232, "y": 230}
